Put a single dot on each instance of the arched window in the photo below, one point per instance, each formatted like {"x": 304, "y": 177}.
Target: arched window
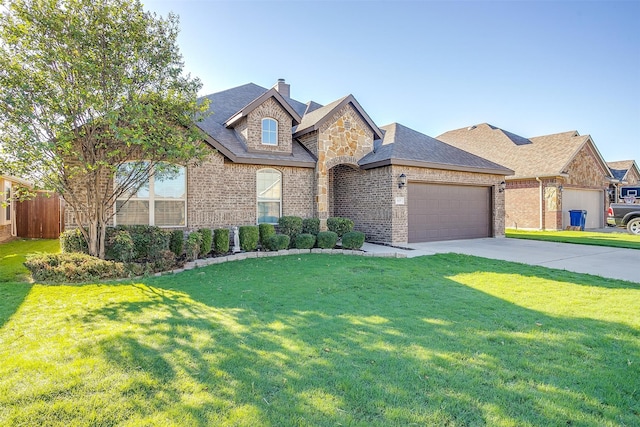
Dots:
{"x": 269, "y": 131}
{"x": 269, "y": 195}
{"x": 161, "y": 201}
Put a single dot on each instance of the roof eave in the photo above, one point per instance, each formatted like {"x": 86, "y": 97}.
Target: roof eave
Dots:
{"x": 441, "y": 166}
{"x": 257, "y": 160}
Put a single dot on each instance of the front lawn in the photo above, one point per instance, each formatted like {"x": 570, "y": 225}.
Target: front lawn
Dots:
{"x": 620, "y": 239}
{"x": 13, "y": 254}
{"x": 325, "y": 340}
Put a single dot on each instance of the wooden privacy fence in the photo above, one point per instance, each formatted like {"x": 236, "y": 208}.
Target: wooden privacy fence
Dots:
{"x": 41, "y": 217}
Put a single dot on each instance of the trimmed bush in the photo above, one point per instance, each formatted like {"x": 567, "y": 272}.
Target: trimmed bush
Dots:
{"x": 73, "y": 267}
{"x": 165, "y": 260}
{"x": 311, "y": 226}
{"x": 249, "y": 236}
{"x": 277, "y": 242}
{"x": 291, "y": 226}
{"x": 266, "y": 231}
{"x": 73, "y": 241}
{"x": 119, "y": 246}
{"x": 207, "y": 240}
{"x": 148, "y": 240}
{"x": 339, "y": 225}
{"x": 305, "y": 241}
{"x": 192, "y": 246}
{"x": 352, "y": 240}
{"x": 221, "y": 240}
{"x": 176, "y": 242}
{"x": 327, "y": 239}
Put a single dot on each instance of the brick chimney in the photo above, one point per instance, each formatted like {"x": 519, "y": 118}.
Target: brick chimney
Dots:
{"x": 283, "y": 88}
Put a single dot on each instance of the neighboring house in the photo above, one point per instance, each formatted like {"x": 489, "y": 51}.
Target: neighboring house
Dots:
{"x": 626, "y": 174}
{"x": 8, "y": 185}
{"x": 276, "y": 156}
{"x": 553, "y": 174}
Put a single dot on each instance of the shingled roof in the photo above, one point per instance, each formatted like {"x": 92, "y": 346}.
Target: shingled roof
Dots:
{"x": 620, "y": 169}
{"x": 404, "y": 146}
{"x": 231, "y": 103}
{"x": 547, "y": 155}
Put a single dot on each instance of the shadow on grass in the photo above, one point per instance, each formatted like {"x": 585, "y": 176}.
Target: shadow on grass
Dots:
{"x": 12, "y": 296}
{"x": 613, "y": 240}
{"x": 367, "y": 342}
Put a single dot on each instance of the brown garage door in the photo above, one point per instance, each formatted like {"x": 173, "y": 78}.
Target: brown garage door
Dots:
{"x": 448, "y": 212}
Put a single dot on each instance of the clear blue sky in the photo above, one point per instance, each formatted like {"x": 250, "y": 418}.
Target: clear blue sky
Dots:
{"x": 532, "y": 68}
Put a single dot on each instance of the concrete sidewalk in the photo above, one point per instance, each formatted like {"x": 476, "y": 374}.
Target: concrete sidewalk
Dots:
{"x": 614, "y": 263}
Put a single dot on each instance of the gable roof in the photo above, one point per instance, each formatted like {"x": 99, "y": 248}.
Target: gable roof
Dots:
{"x": 404, "y": 146}
{"x": 231, "y": 102}
{"x": 271, "y": 93}
{"x": 620, "y": 169}
{"x": 316, "y": 117}
{"x": 547, "y": 155}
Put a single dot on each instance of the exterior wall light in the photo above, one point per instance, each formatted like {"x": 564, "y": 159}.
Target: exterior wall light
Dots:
{"x": 402, "y": 180}
{"x": 502, "y": 186}
{"x": 560, "y": 188}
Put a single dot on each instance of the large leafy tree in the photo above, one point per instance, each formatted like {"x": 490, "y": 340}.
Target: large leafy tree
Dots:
{"x": 86, "y": 87}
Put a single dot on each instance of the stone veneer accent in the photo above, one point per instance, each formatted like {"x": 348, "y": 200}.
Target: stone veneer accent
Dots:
{"x": 250, "y": 128}
{"x": 223, "y": 194}
{"x": 342, "y": 139}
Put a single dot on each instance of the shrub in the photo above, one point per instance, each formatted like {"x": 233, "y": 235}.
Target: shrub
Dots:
{"x": 353, "y": 240}
{"x": 291, "y": 226}
{"x": 148, "y": 240}
{"x": 73, "y": 241}
{"x": 176, "y": 242}
{"x": 119, "y": 246}
{"x": 305, "y": 241}
{"x": 221, "y": 240}
{"x": 327, "y": 239}
{"x": 72, "y": 267}
{"x": 192, "y": 246}
{"x": 277, "y": 242}
{"x": 311, "y": 226}
{"x": 339, "y": 225}
{"x": 266, "y": 231}
{"x": 207, "y": 240}
{"x": 165, "y": 260}
{"x": 249, "y": 236}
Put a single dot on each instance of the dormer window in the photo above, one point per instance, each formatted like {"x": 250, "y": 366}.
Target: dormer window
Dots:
{"x": 269, "y": 131}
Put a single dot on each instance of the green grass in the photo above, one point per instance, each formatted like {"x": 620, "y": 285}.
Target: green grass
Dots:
{"x": 616, "y": 240}
{"x": 13, "y": 254}
{"x": 325, "y": 340}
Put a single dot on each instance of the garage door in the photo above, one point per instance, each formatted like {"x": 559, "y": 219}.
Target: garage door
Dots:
{"x": 591, "y": 201}
{"x": 448, "y": 212}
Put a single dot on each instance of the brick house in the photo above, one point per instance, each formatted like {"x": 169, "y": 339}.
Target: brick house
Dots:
{"x": 625, "y": 174}
{"x": 553, "y": 174}
{"x": 275, "y": 156}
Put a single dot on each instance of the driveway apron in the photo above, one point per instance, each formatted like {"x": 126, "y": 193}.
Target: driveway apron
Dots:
{"x": 614, "y": 263}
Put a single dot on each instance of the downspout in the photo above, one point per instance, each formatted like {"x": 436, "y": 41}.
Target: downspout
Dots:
{"x": 541, "y": 202}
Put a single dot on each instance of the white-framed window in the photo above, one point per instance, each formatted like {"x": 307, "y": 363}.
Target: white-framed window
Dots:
{"x": 269, "y": 192}
{"x": 6, "y": 203}
{"x": 269, "y": 131}
{"x": 161, "y": 201}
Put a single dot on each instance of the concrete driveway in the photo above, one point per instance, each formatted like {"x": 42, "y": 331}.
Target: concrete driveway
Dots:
{"x": 615, "y": 263}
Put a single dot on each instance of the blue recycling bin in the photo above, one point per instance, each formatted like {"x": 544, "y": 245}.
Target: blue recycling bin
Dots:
{"x": 578, "y": 218}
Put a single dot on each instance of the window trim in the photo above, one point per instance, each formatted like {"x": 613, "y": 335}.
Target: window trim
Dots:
{"x": 152, "y": 199}
{"x": 262, "y": 131}
{"x": 258, "y": 201}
